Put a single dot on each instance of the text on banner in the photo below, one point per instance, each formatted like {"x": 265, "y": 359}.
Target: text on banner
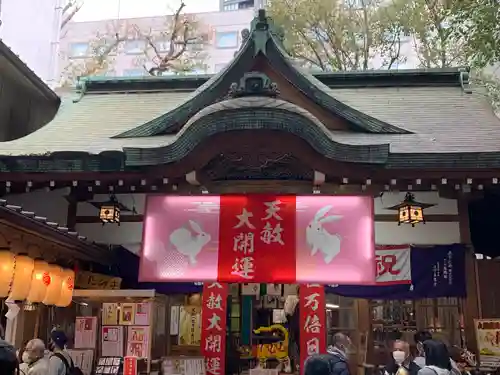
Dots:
{"x": 213, "y": 327}
{"x": 312, "y": 320}
{"x": 254, "y": 230}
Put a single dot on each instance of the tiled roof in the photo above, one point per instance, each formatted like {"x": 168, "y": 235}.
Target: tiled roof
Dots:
{"x": 443, "y": 119}
{"x": 26, "y": 73}
{"x": 86, "y": 248}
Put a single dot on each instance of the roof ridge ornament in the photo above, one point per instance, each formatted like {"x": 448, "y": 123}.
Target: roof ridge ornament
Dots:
{"x": 253, "y": 84}
{"x": 262, "y": 29}
{"x": 464, "y": 80}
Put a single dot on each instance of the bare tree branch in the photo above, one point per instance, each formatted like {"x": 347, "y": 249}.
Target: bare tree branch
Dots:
{"x": 71, "y": 8}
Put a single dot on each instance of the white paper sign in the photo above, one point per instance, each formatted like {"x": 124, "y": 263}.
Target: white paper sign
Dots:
{"x": 250, "y": 289}
{"x": 112, "y": 341}
{"x": 273, "y": 289}
{"x": 85, "y": 332}
{"x": 174, "y": 320}
{"x": 13, "y": 310}
{"x": 142, "y": 314}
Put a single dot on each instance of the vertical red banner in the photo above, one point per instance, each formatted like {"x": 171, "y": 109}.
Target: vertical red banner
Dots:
{"x": 257, "y": 239}
{"x": 312, "y": 321}
{"x": 130, "y": 366}
{"x": 214, "y": 327}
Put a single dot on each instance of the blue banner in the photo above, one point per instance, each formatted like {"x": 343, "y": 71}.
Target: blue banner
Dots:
{"x": 436, "y": 271}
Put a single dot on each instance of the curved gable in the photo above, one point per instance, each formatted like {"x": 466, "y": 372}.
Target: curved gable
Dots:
{"x": 263, "y": 41}
{"x": 263, "y": 114}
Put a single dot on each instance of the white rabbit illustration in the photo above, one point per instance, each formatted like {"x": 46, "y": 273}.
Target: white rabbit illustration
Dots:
{"x": 319, "y": 239}
{"x": 187, "y": 244}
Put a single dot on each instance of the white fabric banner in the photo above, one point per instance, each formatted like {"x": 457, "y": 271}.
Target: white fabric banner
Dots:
{"x": 393, "y": 264}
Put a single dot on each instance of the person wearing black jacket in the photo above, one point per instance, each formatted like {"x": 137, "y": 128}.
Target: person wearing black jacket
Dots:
{"x": 401, "y": 362}
{"x": 8, "y": 359}
{"x": 338, "y": 354}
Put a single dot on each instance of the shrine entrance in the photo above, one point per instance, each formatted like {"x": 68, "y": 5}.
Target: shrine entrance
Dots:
{"x": 261, "y": 241}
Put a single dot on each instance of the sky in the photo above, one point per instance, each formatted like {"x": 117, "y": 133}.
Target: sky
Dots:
{"x": 95, "y": 10}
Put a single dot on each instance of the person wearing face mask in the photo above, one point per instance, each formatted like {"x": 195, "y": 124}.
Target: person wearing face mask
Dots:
{"x": 22, "y": 355}
{"x": 401, "y": 363}
{"x": 338, "y": 354}
{"x": 34, "y": 358}
{"x": 421, "y": 337}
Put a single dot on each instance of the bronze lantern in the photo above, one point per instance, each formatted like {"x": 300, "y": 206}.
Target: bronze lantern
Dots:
{"x": 410, "y": 211}
{"x": 109, "y": 211}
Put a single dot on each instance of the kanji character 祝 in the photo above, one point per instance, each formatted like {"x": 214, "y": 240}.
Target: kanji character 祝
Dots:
{"x": 387, "y": 264}
{"x": 272, "y": 210}
{"x": 244, "y": 219}
{"x": 213, "y": 343}
{"x": 312, "y": 324}
{"x": 243, "y": 267}
{"x": 244, "y": 242}
{"x": 214, "y": 302}
{"x": 214, "y": 322}
{"x": 270, "y": 235}
{"x": 312, "y": 302}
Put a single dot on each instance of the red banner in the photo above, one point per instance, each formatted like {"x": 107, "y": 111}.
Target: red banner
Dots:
{"x": 130, "y": 366}
{"x": 312, "y": 321}
{"x": 256, "y": 232}
{"x": 214, "y": 327}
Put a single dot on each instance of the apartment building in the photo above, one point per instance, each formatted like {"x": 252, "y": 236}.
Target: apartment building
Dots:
{"x": 228, "y": 5}
{"x": 31, "y": 29}
{"x": 221, "y": 32}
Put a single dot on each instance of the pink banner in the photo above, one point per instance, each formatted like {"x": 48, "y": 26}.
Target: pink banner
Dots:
{"x": 334, "y": 239}
{"x": 180, "y": 238}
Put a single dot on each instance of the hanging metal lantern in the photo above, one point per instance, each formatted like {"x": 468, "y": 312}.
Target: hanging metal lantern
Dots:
{"x": 410, "y": 211}
{"x": 109, "y": 212}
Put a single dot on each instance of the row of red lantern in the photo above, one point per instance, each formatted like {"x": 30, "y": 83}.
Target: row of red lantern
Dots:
{"x": 36, "y": 281}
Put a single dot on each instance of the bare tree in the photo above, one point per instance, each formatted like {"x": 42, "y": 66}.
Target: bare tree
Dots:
{"x": 168, "y": 49}
{"x": 177, "y": 35}
{"x": 71, "y": 8}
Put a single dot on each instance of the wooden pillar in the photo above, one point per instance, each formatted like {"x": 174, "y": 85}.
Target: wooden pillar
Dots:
{"x": 363, "y": 338}
{"x": 471, "y": 304}
{"x": 71, "y": 213}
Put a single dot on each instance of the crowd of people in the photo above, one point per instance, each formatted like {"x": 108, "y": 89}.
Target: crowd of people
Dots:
{"x": 35, "y": 359}
{"x": 433, "y": 358}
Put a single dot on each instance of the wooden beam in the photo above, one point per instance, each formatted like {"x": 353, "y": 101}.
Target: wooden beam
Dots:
{"x": 472, "y": 303}
{"x": 384, "y": 218}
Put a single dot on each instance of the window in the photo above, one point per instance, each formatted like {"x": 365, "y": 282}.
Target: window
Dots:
{"x": 356, "y": 3}
{"x": 133, "y": 47}
{"x": 195, "y": 46}
{"x": 394, "y": 319}
{"x": 226, "y": 39}
{"x": 163, "y": 45}
{"x": 79, "y": 50}
{"x": 230, "y": 7}
{"x": 134, "y": 73}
